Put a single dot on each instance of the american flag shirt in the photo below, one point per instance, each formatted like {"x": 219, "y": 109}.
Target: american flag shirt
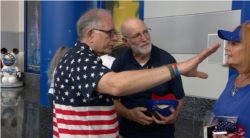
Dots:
{"x": 78, "y": 110}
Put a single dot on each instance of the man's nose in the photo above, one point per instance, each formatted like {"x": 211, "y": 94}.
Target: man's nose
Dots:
{"x": 143, "y": 37}
{"x": 114, "y": 38}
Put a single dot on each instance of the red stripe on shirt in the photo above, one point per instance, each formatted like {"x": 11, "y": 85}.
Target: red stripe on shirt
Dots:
{"x": 89, "y": 132}
{"x": 85, "y": 113}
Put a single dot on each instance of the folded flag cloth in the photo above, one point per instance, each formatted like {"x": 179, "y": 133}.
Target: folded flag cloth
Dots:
{"x": 233, "y": 130}
{"x": 166, "y": 97}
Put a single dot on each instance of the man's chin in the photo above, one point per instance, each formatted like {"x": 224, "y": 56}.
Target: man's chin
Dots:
{"x": 109, "y": 51}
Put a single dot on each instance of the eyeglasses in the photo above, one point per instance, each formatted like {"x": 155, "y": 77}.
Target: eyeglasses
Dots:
{"x": 139, "y": 35}
{"x": 110, "y": 32}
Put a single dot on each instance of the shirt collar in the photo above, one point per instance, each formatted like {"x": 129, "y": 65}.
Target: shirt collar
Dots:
{"x": 85, "y": 47}
{"x": 154, "y": 56}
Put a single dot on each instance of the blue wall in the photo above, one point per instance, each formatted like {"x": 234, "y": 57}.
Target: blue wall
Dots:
{"x": 58, "y": 28}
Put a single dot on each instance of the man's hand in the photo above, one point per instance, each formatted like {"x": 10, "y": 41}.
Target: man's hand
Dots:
{"x": 137, "y": 116}
{"x": 189, "y": 68}
{"x": 166, "y": 120}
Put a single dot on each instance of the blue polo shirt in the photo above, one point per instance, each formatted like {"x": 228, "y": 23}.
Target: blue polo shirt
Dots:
{"x": 158, "y": 58}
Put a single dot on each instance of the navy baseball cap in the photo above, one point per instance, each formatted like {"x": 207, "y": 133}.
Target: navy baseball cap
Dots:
{"x": 231, "y": 36}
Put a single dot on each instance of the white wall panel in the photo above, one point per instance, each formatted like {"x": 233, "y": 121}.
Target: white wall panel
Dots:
{"x": 21, "y": 15}
{"x": 211, "y": 87}
{"x": 174, "y": 8}
{"x": 187, "y": 34}
{"x": 9, "y": 16}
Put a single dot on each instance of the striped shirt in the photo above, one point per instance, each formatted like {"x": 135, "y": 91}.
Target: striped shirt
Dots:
{"x": 78, "y": 110}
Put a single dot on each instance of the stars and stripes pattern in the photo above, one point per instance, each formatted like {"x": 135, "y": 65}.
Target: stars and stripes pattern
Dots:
{"x": 78, "y": 110}
{"x": 233, "y": 130}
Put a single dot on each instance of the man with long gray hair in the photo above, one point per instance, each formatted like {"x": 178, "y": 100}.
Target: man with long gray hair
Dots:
{"x": 83, "y": 101}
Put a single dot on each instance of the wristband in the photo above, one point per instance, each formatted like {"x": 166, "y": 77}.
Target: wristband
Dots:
{"x": 171, "y": 70}
{"x": 176, "y": 70}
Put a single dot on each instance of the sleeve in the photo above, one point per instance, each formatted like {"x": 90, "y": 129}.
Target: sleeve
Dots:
{"x": 115, "y": 68}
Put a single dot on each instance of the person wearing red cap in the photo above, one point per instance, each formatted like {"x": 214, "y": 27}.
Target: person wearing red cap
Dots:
{"x": 235, "y": 99}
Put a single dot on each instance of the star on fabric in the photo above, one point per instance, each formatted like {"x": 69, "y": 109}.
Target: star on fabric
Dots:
{"x": 101, "y": 73}
{"x": 81, "y": 53}
{"x": 107, "y": 99}
{"x": 78, "y": 69}
{"x": 57, "y": 97}
{"x": 72, "y": 61}
{"x": 78, "y": 94}
{"x": 82, "y": 47}
{"x": 60, "y": 66}
{"x": 78, "y": 52}
{"x": 93, "y": 67}
{"x": 62, "y": 73}
{"x": 93, "y": 84}
{"x": 72, "y": 69}
{"x": 85, "y": 68}
{"x": 65, "y": 61}
{"x": 69, "y": 74}
{"x": 95, "y": 62}
{"x": 79, "y": 60}
{"x": 87, "y": 59}
{"x": 85, "y": 76}
{"x": 63, "y": 98}
{"x": 72, "y": 100}
{"x": 72, "y": 87}
{"x": 103, "y": 68}
{"x": 73, "y": 79}
{"x": 66, "y": 80}
{"x": 100, "y": 96}
{"x": 67, "y": 67}
{"x": 78, "y": 78}
{"x": 79, "y": 86}
{"x": 62, "y": 86}
{"x": 84, "y": 100}
{"x": 75, "y": 44}
{"x": 66, "y": 93}
{"x": 93, "y": 74}
{"x": 88, "y": 95}
{"x": 66, "y": 56}
{"x": 86, "y": 85}
{"x": 58, "y": 79}
{"x": 55, "y": 84}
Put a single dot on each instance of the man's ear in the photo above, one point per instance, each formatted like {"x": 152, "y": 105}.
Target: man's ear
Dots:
{"x": 125, "y": 41}
{"x": 89, "y": 35}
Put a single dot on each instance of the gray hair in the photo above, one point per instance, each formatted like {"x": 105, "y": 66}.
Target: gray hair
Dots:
{"x": 90, "y": 19}
{"x": 123, "y": 32}
{"x": 57, "y": 57}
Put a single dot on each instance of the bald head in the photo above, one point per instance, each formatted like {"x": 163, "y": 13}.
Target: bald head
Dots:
{"x": 129, "y": 26}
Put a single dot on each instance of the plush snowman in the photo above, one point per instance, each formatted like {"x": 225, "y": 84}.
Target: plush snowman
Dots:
{"x": 10, "y": 71}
